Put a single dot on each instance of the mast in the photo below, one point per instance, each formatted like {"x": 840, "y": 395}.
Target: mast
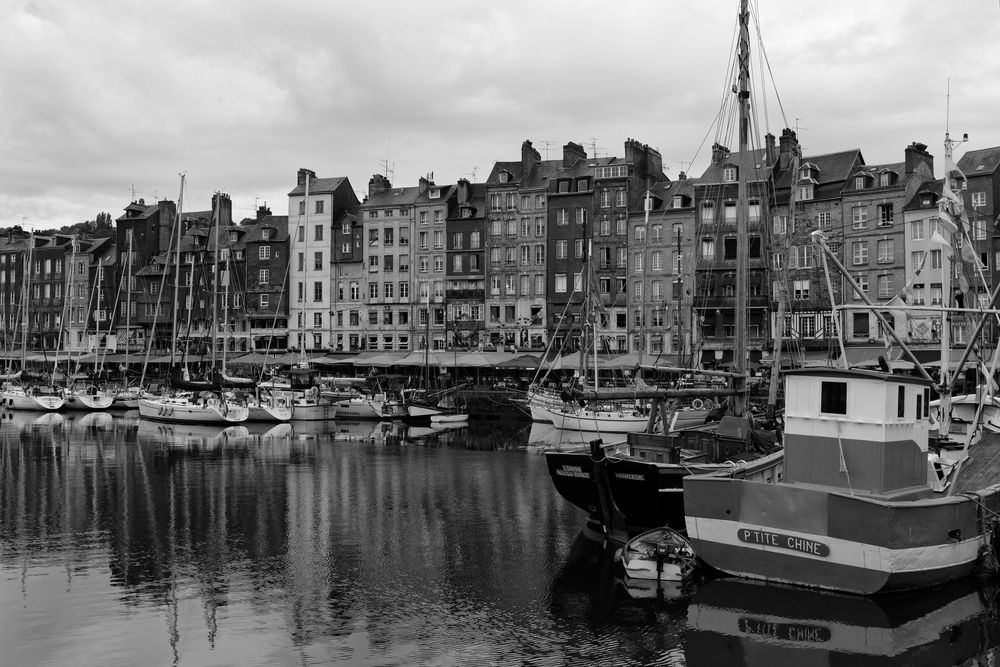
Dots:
{"x": 26, "y": 299}
{"x": 215, "y": 280}
{"x": 62, "y": 319}
{"x": 782, "y": 295}
{"x": 742, "y": 215}
{"x": 305, "y": 272}
{"x": 678, "y": 289}
{"x": 177, "y": 270}
{"x": 128, "y": 300}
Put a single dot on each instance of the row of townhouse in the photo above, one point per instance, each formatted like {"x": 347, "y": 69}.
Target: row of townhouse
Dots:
{"x": 504, "y": 262}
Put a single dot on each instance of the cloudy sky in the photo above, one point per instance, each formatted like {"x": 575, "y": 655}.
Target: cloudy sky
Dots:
{"x": 103, "y": 96}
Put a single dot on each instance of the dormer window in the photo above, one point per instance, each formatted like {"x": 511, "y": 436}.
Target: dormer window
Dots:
{"x": 345, "y": 228}
{"x": 804, "y": 192}
{"x": 582, "y": 184}
{"x": 808, "y": 171}
{"x": 678, "y": 201}
{"x": 859, "y": 182}
{"x": 434, "y": 193}
{"x": 563, "y": 186}
{"x": 266, "y": 234}
{"x": 885, "y": 179}
{"x": 729, "y": 174}
{"x": 234, "y": 237}
{"x": 504, "y": 176}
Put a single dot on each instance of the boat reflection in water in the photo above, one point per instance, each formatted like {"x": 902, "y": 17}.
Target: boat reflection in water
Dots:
{"x": 549, "y": 437}
{"x": 733, "y": 622}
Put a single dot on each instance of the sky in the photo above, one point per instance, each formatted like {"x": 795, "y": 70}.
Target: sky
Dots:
{"x": 100, "y": 99}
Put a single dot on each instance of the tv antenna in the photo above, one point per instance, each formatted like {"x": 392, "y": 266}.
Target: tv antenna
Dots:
{"x": 594, "y": 147}
{"x": 388, "y": 168}
{"x": 472, "y": 173}
{"x": 547, "y": 144}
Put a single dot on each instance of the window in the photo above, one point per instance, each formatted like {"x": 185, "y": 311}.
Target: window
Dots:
{"x": 859, "y": 252}
{"x": 319, "y": 205}
{"x": 860, "y": 182}
{"x": 805, "y": 192}
{"x": 707, "y": 213}
{"x": 637, "y": 290}
{"x": 562, "y": 248}
{"x": 438, "y": 263}
{"x": 525, "y": 255}
{"x": 754, "y": 210}
{"x": 886, "y": 286}
{"x": 729, "y": 174}
{"x": 318, "y": 233}
{"x": 936, "y": 293}
{"x": 264, "y": 252}
{"x": 781, "y": 224}
{"x": 355, "y": 291}
{"x": 778, "y": 260}
{"x": 917, "y": 258}
{"x": 639, "y": 234}
{"x": 581, "y": 216}
{"x": 935, "y": 259}
{"x": 560, "y": 284}
{"x": 387, "y": 290}
{"x": 605, "y": 199}
{"x": 656, "y": 263}
{"x": 800, "y": 290}
{"x": 539, "y": 254}
{"x": 562, "y": 217}
{"x": 978, "y": 230}
{"x": 622, "y": 261}
{"x": 439, "y": 239}
{"x": 885, "y": 250}
{"x": 859, "y": 217}
{"x": 264, "y": 276}
{"x": 824, "y": 219}
{"x": 475, "y": 240}
{"x": 578, "y": 248}
{"x": 605, "y": 227}
{"x": 620, "y": 197}
{"x": 833, "y": 398}
{"x": 885, "y": 215}
{"x": 708, "y": 248}
{"x": 456, "y": 240}
{"x": 637, "y": 262}
{"x": 372, "y": 290}
{"x": 456, "y": 264}
{"x": 729, "y": 213}
{"x": 799, "y": 257}
{"x": 917, "y": 230}
{"x": 978, "y": 199}
{"x": 539, "y": 227}
{"x": 318, "y": 261}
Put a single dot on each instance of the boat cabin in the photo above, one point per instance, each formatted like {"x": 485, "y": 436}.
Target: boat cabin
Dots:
{"x": 862, "y": 431}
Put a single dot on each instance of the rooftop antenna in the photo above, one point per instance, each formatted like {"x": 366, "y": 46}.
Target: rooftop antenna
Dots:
{"x": 388, "y": 168}
{"x": 472, "y": 173}
{"x": 548, "y": 144}
{"x": 594, "y": 147}
{"x": 134, "y": 192}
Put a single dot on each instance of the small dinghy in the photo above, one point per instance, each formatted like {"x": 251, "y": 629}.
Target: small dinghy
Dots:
{"x": 661, "y": 554}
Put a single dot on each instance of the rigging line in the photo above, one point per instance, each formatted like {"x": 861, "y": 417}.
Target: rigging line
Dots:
{"x": 767, "y": 64}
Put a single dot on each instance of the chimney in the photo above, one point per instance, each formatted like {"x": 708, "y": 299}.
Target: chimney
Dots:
{"x": 788, "y": 146}
{"x": 572, "y": 153}
{"x": 529, "y": 158}
{"x": 770, "y": 152}
{"x": 224, "y": 205}
{"x": 682, "y": 176}
{"x": 167, "y": 211}
{"x": 916, "y": 154}
{"x": 378, "y": 183}
{"x": 263, "y": 212}
{"x": 463, "y": 191}
{"x": 719, "y": 153}
{"x": 647, "y": 164}
{"x": 304, "y": 174}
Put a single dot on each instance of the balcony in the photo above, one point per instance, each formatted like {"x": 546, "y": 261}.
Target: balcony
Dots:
{"x": 466, "y": 294}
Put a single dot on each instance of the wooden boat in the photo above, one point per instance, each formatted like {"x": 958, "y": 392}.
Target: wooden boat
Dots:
{"x": 604, "y": 419}
{"x": 855, "y": 510}
{"x": 454, "y": 418}
{"x": 661, "y": 554}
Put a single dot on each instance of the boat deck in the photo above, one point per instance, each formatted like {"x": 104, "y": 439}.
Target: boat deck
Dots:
{"x": 982, "y": 469}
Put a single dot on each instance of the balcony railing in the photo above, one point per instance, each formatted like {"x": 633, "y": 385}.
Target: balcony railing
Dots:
{"x": 468, "y": 294}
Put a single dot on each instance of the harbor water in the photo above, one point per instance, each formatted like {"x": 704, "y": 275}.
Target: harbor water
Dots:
{"x": 127, "y": 542}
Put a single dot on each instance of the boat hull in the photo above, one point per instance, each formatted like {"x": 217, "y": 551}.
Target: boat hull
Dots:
{"x": 449, "y": 419}
{"x": 643, "y": 494}
{"x": 38, "y": 403}
{"x": 307, "y": 410}
{"x": 827, "y": 539}
{"x": 601, "y": 421}
{"x": 89, "y": 402}
{"x": 167, "y": 410}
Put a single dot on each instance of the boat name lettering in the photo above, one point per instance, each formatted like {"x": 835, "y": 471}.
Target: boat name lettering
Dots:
{"x": 635, "y": 477}
{"x": 572, "y": 471}
{"x": 793, "y": 632}
{"x": 767, "y": 539}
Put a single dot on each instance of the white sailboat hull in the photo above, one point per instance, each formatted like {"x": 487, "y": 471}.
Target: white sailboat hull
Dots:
{"x": 210, "y": 412}
{"x": 18, "y": 400}
{"x": 417, "y": 411}
{"x": 88, "y": 402}
{"x": 601, "y": 421}
{"x": 451, "y": 419}
{"x": 309, "y": 410}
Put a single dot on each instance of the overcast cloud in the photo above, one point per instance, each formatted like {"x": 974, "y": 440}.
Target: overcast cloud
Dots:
{"x": 101, "y": 95}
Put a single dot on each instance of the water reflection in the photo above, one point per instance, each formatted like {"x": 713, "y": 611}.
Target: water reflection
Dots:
{"x": 743, "y": 623}
{"x": 251, "y": 543}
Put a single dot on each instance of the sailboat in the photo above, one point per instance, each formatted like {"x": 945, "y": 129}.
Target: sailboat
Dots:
{"x": 439, "y": 406}
{"x": 630, "y": 492}
{"x": 20, "y": 396}
{"x": 862, "y": 508}
{"x": 189, "y": 403}
{"x": 81, "y": 394}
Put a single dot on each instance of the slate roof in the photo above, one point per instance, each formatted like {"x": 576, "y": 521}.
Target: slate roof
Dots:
{"x": 713, "y": 173}
{"x": 319, "y": 186}
{"x": 982, "y": 161}
{"x": 393, "y": 197}
{"x": 934, "y": 187}
{"x": 277, "y": 222}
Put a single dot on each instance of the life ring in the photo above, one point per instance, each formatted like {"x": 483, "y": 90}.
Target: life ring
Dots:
{"x": 697, "y": 404}
{"x": 708, "y": 403}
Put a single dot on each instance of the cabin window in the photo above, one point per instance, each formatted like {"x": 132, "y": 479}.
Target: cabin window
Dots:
{"x": 901, "y": 402}
{"x": 920, "y": 406}
{"x": 833, "y": 398}
{"x": 927, "y": 403}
